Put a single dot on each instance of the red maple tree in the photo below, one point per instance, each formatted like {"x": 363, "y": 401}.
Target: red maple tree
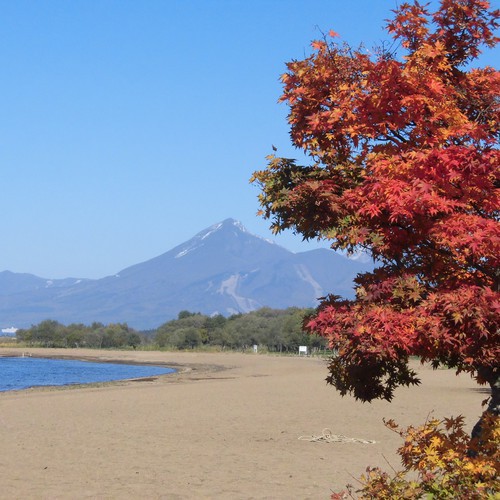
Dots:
{"x": 405, "y": 166}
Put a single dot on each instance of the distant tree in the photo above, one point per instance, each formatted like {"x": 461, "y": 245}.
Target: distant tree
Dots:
{"x": 134, "y": 339}
{"x": 185, "y": 314}
{"x": 169, "y": 335}
{"x": 246, "y": 330}
{"x": 49, "y": 333}
{"x": 214, "y": 326}
{"x": 94, "y": 338}
{"x": 25, "y": 335}
{"x": 294, "y": 334}
{"x": 188, "y": 338}
{"x": 404, "y": 156}
{"x": 75, "y": 334}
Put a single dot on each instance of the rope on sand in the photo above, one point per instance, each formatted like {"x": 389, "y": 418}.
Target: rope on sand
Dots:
{"x": 328, "y": 437}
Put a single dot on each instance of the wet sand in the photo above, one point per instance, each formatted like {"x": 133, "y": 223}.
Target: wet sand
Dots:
{"x": 225, "y": 426}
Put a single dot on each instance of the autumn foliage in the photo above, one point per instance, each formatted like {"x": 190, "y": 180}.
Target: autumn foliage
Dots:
{"x": 437, "y": 465}
{"x": 404, "y": 165}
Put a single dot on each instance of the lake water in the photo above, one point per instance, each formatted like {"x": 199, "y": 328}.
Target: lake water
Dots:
{"x": 21, "y": 373}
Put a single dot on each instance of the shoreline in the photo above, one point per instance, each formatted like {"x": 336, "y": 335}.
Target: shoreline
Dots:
{"x": 89, "y": 359}
{"x": 99, "y": 356}
{"x": 226, "y": 426}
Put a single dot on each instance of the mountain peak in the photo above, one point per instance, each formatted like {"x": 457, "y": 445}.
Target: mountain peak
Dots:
{"x": 225, "y": 224}
{"x": 228, "y": 228}
{"x": 235, "y": 223}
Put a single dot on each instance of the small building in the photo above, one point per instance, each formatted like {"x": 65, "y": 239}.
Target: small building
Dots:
{"x": 8, "y": 332}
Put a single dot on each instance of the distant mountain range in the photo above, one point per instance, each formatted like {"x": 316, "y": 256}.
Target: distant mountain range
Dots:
{"x": 223, "y": 269}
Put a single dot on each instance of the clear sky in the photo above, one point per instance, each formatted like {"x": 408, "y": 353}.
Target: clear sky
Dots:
{"x": 128, "y": 126}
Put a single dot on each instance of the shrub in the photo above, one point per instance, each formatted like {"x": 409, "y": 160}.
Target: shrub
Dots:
{"x": 441, "y": 461}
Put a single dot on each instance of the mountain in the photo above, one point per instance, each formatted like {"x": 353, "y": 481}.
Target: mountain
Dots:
{"x": 11, "y": 283}
{"x": 223, "y": 269}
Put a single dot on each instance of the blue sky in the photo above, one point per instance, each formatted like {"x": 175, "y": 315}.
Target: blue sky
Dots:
{"x": 128, "y": 126}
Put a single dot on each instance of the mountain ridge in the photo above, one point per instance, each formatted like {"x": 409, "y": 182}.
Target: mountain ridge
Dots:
{"x": 223, "y": 269}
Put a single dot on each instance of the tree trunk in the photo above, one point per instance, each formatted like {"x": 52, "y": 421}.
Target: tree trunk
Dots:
{"x": 492, "y": 376}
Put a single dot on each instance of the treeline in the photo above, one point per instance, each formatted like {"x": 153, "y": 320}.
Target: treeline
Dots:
{"x": 50, "y": 333}
{"x": 276, "y": 330}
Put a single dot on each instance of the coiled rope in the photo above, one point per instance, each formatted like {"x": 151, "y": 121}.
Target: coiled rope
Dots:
{"x": 328, "y": 437}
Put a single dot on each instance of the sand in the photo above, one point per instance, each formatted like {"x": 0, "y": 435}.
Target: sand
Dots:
{"x": 226, "y": 426}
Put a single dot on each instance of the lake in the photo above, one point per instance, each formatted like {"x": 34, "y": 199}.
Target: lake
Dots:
{"x": 24, "y": 372}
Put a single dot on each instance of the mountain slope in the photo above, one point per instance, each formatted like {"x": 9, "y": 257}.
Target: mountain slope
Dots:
{"x": 223, "y": 269}
{"x": 11, "y": 283}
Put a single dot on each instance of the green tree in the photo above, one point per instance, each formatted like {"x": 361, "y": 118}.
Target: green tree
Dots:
{"x": 188, "y": 338}
{"x": 134, "y": 339}
{"x": 214, "y": 326}
{"x": 75, "y": 334}
{"x": 185, "y": 314}
{"x": 169, "y": 334}
{"x": 49, "y": 333}
{"x": 25, "y": 335}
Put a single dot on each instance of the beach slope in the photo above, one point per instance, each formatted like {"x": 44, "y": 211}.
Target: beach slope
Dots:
{"x": 225, "y": 426}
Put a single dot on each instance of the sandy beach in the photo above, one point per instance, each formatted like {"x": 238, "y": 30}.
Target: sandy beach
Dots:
{"x": 225, "y": 426}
